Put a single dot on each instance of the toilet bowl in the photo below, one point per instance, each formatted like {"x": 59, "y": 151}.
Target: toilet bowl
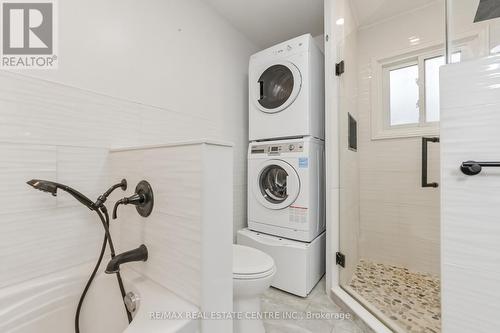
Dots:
{"x": 253, "y": 272}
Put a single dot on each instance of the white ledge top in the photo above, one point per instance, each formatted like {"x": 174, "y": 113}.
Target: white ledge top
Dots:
{"x": 174, "y": 144}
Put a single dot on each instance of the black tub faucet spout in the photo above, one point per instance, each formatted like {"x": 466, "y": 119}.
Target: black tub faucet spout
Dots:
{"x": 139, "y": 254}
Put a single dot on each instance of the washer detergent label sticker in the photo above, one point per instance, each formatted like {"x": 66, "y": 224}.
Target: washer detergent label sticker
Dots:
{"x": 303, "y": 162}
{"x": 298, "y": 214}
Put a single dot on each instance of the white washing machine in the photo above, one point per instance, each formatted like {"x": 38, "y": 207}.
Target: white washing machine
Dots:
{"x": 286, "y": 192}
{"x": 286, "y": 91}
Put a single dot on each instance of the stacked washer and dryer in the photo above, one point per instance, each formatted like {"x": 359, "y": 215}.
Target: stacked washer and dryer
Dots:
{"x": 286, "y": 182}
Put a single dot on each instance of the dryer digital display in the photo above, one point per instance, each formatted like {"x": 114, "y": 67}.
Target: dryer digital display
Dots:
{"x": 295, "y": 147}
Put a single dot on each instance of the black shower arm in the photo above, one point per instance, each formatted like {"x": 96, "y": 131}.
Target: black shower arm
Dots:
{"x": 102, "y": 198}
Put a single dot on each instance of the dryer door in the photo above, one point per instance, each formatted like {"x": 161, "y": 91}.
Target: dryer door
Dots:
{"x": 277, "y": 87}
{"x": 277, "y": 185}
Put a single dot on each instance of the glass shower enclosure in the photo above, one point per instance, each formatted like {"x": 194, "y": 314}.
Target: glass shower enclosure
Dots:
{"x": 389, "y": 126}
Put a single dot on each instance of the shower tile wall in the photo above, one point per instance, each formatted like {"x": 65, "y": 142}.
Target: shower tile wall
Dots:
{"x": 173, "y": 229}
{"x": 41, "y": 234}
{"x": 471, "y": 205}
{"x": 85, "y": 168}
{"x": 189, "y": 232}
{"x": 399, "y": 220}
{"x": 56, "y": 132}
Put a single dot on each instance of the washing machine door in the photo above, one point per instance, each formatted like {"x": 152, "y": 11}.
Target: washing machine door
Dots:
{"x": 277, "y": 87}
{"x": 277, "y": 184}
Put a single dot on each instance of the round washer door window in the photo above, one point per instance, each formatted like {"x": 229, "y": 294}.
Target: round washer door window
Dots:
{"x": 277, "y": 185}
{"x": 278, "y": 87}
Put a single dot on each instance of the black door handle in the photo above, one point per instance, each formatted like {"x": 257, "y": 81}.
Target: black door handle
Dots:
{"x": 424, "y": 161}
{"x": 472, "y": 168}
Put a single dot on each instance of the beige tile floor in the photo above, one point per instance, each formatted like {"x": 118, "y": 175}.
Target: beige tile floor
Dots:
{"x": 317, "y": 302}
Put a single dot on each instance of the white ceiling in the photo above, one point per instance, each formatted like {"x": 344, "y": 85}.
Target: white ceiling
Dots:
{"x": 267, "y": 22}
{"x": 372, "y": 11}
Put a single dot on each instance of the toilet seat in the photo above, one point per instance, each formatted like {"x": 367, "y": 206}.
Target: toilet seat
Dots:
{"x": 253, "y": 276}
{"x": 249, "y": 263}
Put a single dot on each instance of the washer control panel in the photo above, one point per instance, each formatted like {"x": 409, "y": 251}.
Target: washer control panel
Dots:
{"x": 276, "y": 149}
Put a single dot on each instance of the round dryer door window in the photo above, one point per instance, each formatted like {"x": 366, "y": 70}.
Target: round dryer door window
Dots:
{"x": 277, "y": 185}
{"x": 278, "y": 87}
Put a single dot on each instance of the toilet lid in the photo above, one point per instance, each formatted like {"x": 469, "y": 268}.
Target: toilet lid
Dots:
{"x": 250, "y": 261}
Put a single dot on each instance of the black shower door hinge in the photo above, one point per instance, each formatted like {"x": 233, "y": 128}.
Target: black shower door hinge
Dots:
{"x": 340, "y": 259}
{"x": 339, "y": 68}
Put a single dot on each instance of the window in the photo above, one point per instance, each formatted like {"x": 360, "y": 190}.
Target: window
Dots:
{"x": 409, "y": 94}
{"x": 403, "y": 95}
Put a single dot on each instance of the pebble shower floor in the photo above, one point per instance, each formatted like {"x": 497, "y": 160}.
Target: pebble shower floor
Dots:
{"x": 410, "y": 300}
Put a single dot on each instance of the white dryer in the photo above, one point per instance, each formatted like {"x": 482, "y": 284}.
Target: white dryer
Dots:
{"x": 286, "y": 91}
{"x": 286, "y": 192}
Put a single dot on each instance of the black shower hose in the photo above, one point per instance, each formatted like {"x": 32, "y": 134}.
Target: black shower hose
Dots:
{"x": 107, "y": 239}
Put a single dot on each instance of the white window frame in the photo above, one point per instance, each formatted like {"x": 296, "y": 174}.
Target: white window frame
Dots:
{"x": 380, "y": 92}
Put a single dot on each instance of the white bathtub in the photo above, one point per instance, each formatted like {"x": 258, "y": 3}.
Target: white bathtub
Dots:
{"x": 48, "y": 304}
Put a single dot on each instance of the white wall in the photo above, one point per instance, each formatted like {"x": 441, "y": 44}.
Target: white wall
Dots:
{"x": 182, "y": 63}
{"x": 470, "y": 101}
{"x": 399, "y": 220}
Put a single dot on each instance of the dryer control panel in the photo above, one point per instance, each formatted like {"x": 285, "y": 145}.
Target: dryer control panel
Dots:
{"x": 277, "y": 149}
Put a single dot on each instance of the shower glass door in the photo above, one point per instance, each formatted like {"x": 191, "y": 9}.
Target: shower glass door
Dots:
{"x": 389, "y": 159}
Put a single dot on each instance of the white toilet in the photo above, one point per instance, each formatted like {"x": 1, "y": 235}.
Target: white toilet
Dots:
{"x": 253, "y": 272}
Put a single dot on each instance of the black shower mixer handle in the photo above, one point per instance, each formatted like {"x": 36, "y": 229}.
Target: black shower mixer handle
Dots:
{"x": 142, "y": 199}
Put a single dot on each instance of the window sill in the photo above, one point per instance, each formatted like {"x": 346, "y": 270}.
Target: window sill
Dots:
{"x": 405, "y": 132}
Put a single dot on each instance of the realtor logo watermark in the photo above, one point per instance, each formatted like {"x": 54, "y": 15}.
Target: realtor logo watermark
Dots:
{"x": 29, "y": 34}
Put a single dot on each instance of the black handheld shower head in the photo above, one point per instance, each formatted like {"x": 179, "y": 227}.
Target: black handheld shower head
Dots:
{"x": 51, "y": 187}
{"x": 102, "y": 212}
{"x": 43, "y": 185}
